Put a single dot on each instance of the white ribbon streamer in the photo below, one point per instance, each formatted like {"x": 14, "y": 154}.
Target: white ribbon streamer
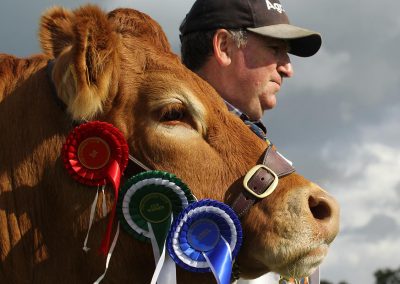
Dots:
{"x": 154, "y": 245}
{"x": 165, "y": 272}
{"x": 92, "y": 212}
{"x": 114, "y": 242}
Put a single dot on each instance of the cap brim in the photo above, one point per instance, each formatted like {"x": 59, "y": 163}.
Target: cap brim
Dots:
{"x": 302, "y": 42}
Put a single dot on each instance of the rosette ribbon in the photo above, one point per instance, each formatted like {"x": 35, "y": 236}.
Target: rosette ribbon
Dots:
{"x": 206, "y": 237}
{"x": 147, "y": 205}
{"x": 94, "y": 154}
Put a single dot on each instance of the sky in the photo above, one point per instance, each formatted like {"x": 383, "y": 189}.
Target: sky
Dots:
{"x": 337, "y": 119}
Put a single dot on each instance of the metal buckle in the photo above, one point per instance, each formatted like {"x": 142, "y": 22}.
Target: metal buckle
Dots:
{"x": 250, "y": 174}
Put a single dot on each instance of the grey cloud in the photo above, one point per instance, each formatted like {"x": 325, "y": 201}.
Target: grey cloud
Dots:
{"x": 19, "y": 20}
{"x": 395, "y": 203}
{"x": 19, "y": 24}
{"x": 380, "y": 227}
{"x": 304, "y": 122}
{"x": 19, "y": 34}
{"x": 369, "y": 34}
{"x": 385, "y": 128}
{"x": 397, "y": 189}
{"x": 348, "y": 24}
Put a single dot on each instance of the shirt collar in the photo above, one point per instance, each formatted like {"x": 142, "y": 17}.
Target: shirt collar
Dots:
{"x": 234, "y": 110}
{"x": 245, "y": 117}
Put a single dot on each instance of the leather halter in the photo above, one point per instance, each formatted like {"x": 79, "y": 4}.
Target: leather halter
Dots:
{"x": 261, "y": 180}
{"x": 258, "y": 183}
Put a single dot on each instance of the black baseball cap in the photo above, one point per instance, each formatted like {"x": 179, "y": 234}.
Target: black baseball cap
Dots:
{"x": 263, "y": 17}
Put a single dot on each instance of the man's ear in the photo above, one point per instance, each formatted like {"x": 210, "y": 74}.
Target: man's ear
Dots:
{"x": 223, "y": 47}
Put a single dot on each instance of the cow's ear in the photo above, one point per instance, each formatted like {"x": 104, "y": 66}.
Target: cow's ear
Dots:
{"x": 83, "y": 72}
{"x": 55, "y": 31}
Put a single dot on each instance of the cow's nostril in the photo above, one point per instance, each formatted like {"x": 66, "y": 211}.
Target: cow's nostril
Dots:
{"x": 320, "y": 209}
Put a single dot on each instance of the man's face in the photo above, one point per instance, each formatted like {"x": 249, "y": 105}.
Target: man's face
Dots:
{"x": 256, "y": 74}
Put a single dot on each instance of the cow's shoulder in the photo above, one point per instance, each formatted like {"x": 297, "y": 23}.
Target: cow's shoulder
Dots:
{"x": 14, "y": 70}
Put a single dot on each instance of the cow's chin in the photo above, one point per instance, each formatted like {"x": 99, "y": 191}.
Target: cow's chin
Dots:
{"x": 299, "y": 265}
{"x": 304, "y": 264}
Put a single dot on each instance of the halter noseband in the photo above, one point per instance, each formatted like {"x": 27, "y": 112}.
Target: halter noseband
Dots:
{"x": 261, "y": 180}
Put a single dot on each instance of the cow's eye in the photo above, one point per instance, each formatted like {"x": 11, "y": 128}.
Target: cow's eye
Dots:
{"x": 173, "y": 112}
{"x": 172, "y": 115}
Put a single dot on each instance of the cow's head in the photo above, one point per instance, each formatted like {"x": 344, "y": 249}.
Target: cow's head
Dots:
{"x": 119, "y": 68}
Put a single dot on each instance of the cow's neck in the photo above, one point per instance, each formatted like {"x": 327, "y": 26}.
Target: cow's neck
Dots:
{"x": 49, "y": 71}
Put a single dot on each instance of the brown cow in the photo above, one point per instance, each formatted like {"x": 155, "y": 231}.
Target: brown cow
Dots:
{"x": 119, "y": 68}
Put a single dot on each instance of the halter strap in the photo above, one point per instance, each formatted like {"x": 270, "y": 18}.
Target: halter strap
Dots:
{"x": 262, "y": 180}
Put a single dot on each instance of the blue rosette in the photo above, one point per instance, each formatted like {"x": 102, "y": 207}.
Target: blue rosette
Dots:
{"x": 206, "y": 237}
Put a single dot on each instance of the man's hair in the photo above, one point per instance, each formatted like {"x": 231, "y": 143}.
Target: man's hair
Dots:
{"x": 196, "y": 47}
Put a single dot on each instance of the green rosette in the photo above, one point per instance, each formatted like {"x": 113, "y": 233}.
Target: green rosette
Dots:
{"x": 152, "y": 198}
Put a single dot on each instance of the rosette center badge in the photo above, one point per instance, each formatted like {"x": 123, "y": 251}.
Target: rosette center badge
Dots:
{"x": 155, "y": 207}
{"x": 94, "y": 153}
{"x": 204, "y": 235}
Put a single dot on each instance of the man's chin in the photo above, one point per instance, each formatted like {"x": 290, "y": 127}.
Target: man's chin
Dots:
{"x": 268, "y": 103}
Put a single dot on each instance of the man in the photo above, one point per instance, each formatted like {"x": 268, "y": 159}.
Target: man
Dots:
{"x": 241, "y": 48}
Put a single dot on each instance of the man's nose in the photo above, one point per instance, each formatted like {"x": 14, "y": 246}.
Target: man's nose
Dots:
{"x": 285, "y": 67}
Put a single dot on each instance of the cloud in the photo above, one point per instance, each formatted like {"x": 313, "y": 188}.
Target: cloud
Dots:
{"x": 367, "y": 186}
{"x": 22, "y": 35}
{"x": 380, "y": 227}
{"x": 397, "y": 189}
{"x": 367, "y": 183}
{"x": 356, "y": 261}
{"x": 383, "y": 128}
{"x": 325, "y": 70}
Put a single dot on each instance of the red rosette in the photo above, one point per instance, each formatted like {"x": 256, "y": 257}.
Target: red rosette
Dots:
{"x": 96, "y": 153}
{"x": 90, "y": 151}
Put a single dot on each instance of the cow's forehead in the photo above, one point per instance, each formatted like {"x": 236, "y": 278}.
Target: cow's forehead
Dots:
{"x": 164, "y": 74}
